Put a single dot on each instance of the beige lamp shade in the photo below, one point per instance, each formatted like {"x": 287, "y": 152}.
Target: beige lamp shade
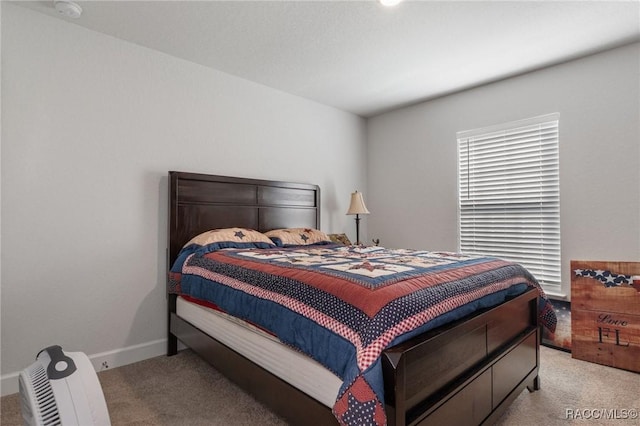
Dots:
{"x": 357, "y": 204}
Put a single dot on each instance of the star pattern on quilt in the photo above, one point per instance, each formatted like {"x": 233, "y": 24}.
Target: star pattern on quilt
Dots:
{"x": 369, "y": 267}
{"x": 359, "y": 413}
{"x": 239, "y": 234}
{"x": 304, "y": 237}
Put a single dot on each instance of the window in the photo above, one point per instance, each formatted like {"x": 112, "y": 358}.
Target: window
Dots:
{"x": 509, "y": 199}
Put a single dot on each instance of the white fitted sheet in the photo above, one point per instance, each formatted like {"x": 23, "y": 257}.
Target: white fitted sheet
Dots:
{"x": 265, "y": 350}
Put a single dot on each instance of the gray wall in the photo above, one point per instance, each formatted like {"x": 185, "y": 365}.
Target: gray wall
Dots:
{"x": 90, "y": 126}
{"x": 412, "y": 168}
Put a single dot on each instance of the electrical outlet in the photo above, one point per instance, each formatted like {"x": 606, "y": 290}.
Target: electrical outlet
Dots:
{"x": 105, "y": 365}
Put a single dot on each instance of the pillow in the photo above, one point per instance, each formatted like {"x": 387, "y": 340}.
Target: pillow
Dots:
{"x": 232, "y": 237}
{"x": 298, "y": 237}
{"x": 340, "y": 239}
{"x": 218, "y": 239}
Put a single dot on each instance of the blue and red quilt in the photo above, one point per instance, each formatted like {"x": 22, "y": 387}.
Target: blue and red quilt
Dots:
{"x": 343, "y": 305}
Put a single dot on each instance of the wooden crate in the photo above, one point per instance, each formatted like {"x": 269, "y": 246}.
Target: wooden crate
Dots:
{"x": 605, "y": 321}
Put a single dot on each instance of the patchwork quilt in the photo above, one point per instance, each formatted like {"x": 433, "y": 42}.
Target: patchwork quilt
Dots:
{"x": 343, "y": 305}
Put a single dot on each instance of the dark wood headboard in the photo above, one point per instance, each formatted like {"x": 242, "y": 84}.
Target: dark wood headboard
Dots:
{"x": 200, "y": 202}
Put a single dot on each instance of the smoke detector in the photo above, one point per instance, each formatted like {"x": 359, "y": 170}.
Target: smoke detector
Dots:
{"x": 68, "y": 9}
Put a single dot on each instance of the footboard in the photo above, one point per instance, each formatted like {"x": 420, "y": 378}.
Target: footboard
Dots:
{"x": 467, "y": 373}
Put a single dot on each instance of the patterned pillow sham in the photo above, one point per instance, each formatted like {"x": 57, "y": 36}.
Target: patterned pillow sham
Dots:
{"x": 218, "y": 239}
{"x": 340, "y": 239}
{"x": 231, "y": 238}
{"x": 298, "y": 237}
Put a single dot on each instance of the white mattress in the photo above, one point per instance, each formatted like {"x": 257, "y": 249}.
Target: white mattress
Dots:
{"x": 265, "y": 350}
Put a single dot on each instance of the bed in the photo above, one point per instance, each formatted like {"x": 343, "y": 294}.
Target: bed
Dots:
{"x": 466, "y": 371}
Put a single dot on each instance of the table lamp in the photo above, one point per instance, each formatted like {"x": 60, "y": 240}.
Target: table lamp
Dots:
{"x": 357, "y": 207}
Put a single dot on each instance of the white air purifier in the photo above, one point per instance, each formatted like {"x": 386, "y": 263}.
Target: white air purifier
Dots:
{"x": 62, "y": 389}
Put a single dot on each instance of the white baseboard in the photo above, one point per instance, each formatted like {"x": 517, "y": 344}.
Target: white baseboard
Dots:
{"x": 556, "y": 296}
{"x": 9, "y": 383}
{"x": 101, "y": 361}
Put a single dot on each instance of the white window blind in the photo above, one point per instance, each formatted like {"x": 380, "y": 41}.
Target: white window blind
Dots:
{"x": 509, "y": 195}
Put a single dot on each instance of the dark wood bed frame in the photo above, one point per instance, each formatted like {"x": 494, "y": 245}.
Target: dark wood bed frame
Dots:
{"x": 464, "y": 373}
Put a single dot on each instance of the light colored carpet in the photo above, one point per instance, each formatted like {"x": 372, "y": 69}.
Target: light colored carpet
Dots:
{"x": 184, "y": 390}
{"x": 580, "y": 386}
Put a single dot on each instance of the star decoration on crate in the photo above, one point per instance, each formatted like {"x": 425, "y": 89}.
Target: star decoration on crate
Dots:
{"x": 610, "y": 279}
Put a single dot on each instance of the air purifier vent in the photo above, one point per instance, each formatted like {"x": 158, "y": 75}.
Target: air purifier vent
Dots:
{"x": 61, "y": 389}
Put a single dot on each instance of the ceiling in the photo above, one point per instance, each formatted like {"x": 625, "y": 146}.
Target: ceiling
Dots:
{"x": 360, "y": 56}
